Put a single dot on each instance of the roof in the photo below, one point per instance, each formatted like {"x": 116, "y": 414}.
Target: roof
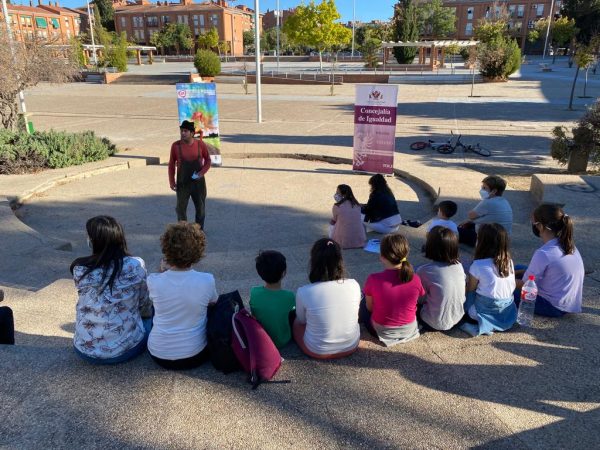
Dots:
{"x": 30, "y": 10}
{"x": 58, "y": 10}
{"x": 154, "y": 8}
{"x": 444, "y": 43}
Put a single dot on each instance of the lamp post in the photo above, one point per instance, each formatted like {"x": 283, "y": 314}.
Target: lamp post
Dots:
{"x": 91, "y": 33}
{"x": 548, "y": 29}
{"x": 278, "y": 12}
{"x": 257, "y": 59}
{"x": 353, "y": 23}
{"x": 11, "y": 42}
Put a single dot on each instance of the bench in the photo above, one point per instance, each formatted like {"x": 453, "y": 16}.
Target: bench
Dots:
{"x": 545, "y": 67}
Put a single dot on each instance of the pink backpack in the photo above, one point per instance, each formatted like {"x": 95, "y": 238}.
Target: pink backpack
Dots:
{"x": 254, "y": 348}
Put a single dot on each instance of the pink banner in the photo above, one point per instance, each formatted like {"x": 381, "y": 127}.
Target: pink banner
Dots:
{"x": 375, "y": 128}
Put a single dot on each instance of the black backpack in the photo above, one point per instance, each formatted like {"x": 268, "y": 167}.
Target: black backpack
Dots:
{"x": 218, "y": 331}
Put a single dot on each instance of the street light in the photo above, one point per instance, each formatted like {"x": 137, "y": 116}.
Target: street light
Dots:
{"x": 278, "y": 12}
{"x": 14, "y": 55}
{"x": 92, "y": 34}
{"x": 548, "y": 29}
{"x": 257, "y": 59}
{"x": 353, "y": 23}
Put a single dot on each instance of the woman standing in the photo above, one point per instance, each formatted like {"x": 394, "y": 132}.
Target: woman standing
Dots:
{"x": 113, "y": 297}
{"x": 381, "y": 211}
{"x": 346, "y": 226}
{"x": 326, "y": 324}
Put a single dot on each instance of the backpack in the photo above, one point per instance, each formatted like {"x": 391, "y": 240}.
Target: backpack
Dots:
{"x": 254, "y": 348}
{"x": 218, "y": 331}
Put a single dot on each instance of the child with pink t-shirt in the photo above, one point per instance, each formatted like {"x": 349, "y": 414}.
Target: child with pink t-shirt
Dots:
{"x": 389, "y": 310}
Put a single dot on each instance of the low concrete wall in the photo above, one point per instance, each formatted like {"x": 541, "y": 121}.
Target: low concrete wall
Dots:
{"x": 109, "y": 77}
{"x": 280, "y": 80}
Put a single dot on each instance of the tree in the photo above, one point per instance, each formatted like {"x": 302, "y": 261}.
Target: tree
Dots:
{"x": 33, "y": 62}
{"x": 436, "y": 20}
{"x": 173, "y": 35}
{"x": 562, "y": 30}
{"x": 207, "y": 63}
{"x": 209, "y": 40}
{"x": 451, "y": 50}
{"x": 498, "y": 54}
{"x": 248, "y": 38}
{"x": 406, "y": 28}
{"x": 370, "y": 49}
{"x": 381, "y": 31}
{"x": 315, "y": 26}
{"x": 583, "y": 60}
{"x": 107, "y": 13}
{"x": 586, "y": 14}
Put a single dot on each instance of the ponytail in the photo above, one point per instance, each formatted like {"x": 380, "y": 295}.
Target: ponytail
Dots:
{"x": 565, "y": 235}
{"x": 405, "y": 272}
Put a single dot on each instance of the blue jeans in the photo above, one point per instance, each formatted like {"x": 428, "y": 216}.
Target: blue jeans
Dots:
{"x": 129, "y": 354}
{"x": 542, "y": 306}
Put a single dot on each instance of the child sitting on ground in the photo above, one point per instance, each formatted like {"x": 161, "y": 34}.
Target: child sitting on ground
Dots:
{"x": 446, "y": 210}
{"x": 270, "y": 304}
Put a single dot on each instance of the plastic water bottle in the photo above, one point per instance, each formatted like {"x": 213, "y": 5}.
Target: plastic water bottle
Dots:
{"x": 529, "y": 293}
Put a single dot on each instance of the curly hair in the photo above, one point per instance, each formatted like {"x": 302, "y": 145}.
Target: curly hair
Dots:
{"x": 183, "y": 244}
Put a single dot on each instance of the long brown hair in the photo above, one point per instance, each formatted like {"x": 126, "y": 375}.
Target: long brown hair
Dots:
{"x": 553, "y": 218}
{"x": 493, "y": 242}
{"x": 326, "y": 262}
{"x": 394, "y": 247}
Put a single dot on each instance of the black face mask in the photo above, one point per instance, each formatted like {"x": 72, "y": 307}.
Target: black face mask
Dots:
{"x": 535, "y": 230}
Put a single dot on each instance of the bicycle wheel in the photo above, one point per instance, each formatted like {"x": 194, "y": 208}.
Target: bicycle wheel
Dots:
{"x": 482, "y": 151}
{"x": 419, "y": 145}
{"x": 445, "y": 149}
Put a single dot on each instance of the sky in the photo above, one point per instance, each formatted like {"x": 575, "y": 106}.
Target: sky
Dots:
{"x": 366, "y": 10}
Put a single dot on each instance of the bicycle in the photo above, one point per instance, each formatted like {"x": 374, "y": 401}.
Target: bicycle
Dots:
{"x": 445, "y": 148}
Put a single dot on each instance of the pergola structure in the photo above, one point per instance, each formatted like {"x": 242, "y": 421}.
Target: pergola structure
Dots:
{"x": 434, "y": 49}
{"x": 88, "y": 49}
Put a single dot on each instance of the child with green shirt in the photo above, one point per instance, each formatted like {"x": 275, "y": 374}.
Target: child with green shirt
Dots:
{"x": 271, "y": 305}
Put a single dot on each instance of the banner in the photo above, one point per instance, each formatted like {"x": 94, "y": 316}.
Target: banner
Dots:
{"x": 375, "y": 128}
{"x": 197, "y": 102}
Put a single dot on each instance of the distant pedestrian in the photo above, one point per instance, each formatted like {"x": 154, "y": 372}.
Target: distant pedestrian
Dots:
{"x": 7, "y": 323}
{"x": 188, "y": 163}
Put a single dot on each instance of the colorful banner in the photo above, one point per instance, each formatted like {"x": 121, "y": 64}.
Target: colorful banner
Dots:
{"x": 375, "y": 128}
{"x": 197, "y": 102}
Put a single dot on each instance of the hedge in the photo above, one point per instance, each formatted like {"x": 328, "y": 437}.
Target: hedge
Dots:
{"x": 25, "y": 153}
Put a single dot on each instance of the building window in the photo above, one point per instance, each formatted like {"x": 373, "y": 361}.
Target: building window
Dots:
{"x": 123, "y": 22}
{"x": 520, "y": 10}
{"x": 511, "y": 10}
{"x": 12, "y": 19}
{"x": 67, "y": 24}
{"x": 469, "y": 29}
{"x": 138, "y": 22}
{"x": 540, "y": 10}
{"x": 182, "y": 19}
{"x": 214, "y": 20}
{"x": 201, "y": 21}
{"x": 152, "y": 21}
{"x": 531, "y": 24}
{"x": 26, "y": 21}
{"x": 469, "y": 13}
{"x": 166, "y": 20}
{"x": 518, "y": 26}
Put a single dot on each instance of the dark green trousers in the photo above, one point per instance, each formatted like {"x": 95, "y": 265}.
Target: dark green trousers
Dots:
{"x": 197, "y": 191}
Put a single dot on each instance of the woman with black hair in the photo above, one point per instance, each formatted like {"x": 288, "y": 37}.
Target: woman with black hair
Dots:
{"x": 326, "y": 324}
{"x": 381, "y": 211}
{"x": 113, "y": 297}
{"x": 557, "y": 265}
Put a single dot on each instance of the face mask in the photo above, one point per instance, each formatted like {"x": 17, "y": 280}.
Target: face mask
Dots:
{"x": 338, "y": 198}
{"x": 484, "y": 194}
{"x": 535, "y": 230}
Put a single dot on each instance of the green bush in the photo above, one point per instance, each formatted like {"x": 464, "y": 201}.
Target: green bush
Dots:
{"x": 24, "y": 153}
{"x": 499, "y": 58}
{"x": 207, "y": 63}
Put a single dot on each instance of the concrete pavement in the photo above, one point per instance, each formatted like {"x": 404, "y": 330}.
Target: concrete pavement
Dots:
{"x": 534, "y": 388}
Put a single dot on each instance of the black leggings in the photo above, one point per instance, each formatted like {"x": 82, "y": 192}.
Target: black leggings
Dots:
{"x": 7, "y": 326}
{"x": 183, "y": 364}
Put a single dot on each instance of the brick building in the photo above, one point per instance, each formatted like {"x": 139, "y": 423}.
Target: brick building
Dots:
{"x": 269, "y": 20}
{"x": 522, "y": 15}
{"x": 49, "y": 22}
{"x": 140, "y": 21}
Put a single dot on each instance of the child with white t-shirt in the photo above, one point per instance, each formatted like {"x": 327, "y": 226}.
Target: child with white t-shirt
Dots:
{"x": 180, "y": 297}
{"x": 446, "y": 210}
{"x": 491, "y": 283}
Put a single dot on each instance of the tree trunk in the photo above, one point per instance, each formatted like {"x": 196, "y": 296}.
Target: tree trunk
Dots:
{"x": 578, "y": 161}
{"x": 320, "y": 61}
{"x": 585, "y": 84}
{"x": 573, "y": 89}
{"x": 9, "y": 112}
{"x": 554, "y": 54}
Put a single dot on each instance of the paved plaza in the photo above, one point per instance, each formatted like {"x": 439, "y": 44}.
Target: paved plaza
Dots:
{"x": 526, "y": 388}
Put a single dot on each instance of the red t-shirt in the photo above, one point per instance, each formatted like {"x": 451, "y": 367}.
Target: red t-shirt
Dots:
{"x": 394, "y": 303}
{"x": 189, "y": 153}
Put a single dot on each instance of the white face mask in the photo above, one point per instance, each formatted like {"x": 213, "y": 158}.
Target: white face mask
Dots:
{"x": 338, "y": 198}
{"x": 484, "y": 194}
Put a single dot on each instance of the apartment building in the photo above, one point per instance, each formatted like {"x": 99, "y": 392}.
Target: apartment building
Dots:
{"x": 522, "y": 15}
{"x": 269, "y": 20}
{"x": 49, "y": 22}
{"x": 142, "y": 20}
